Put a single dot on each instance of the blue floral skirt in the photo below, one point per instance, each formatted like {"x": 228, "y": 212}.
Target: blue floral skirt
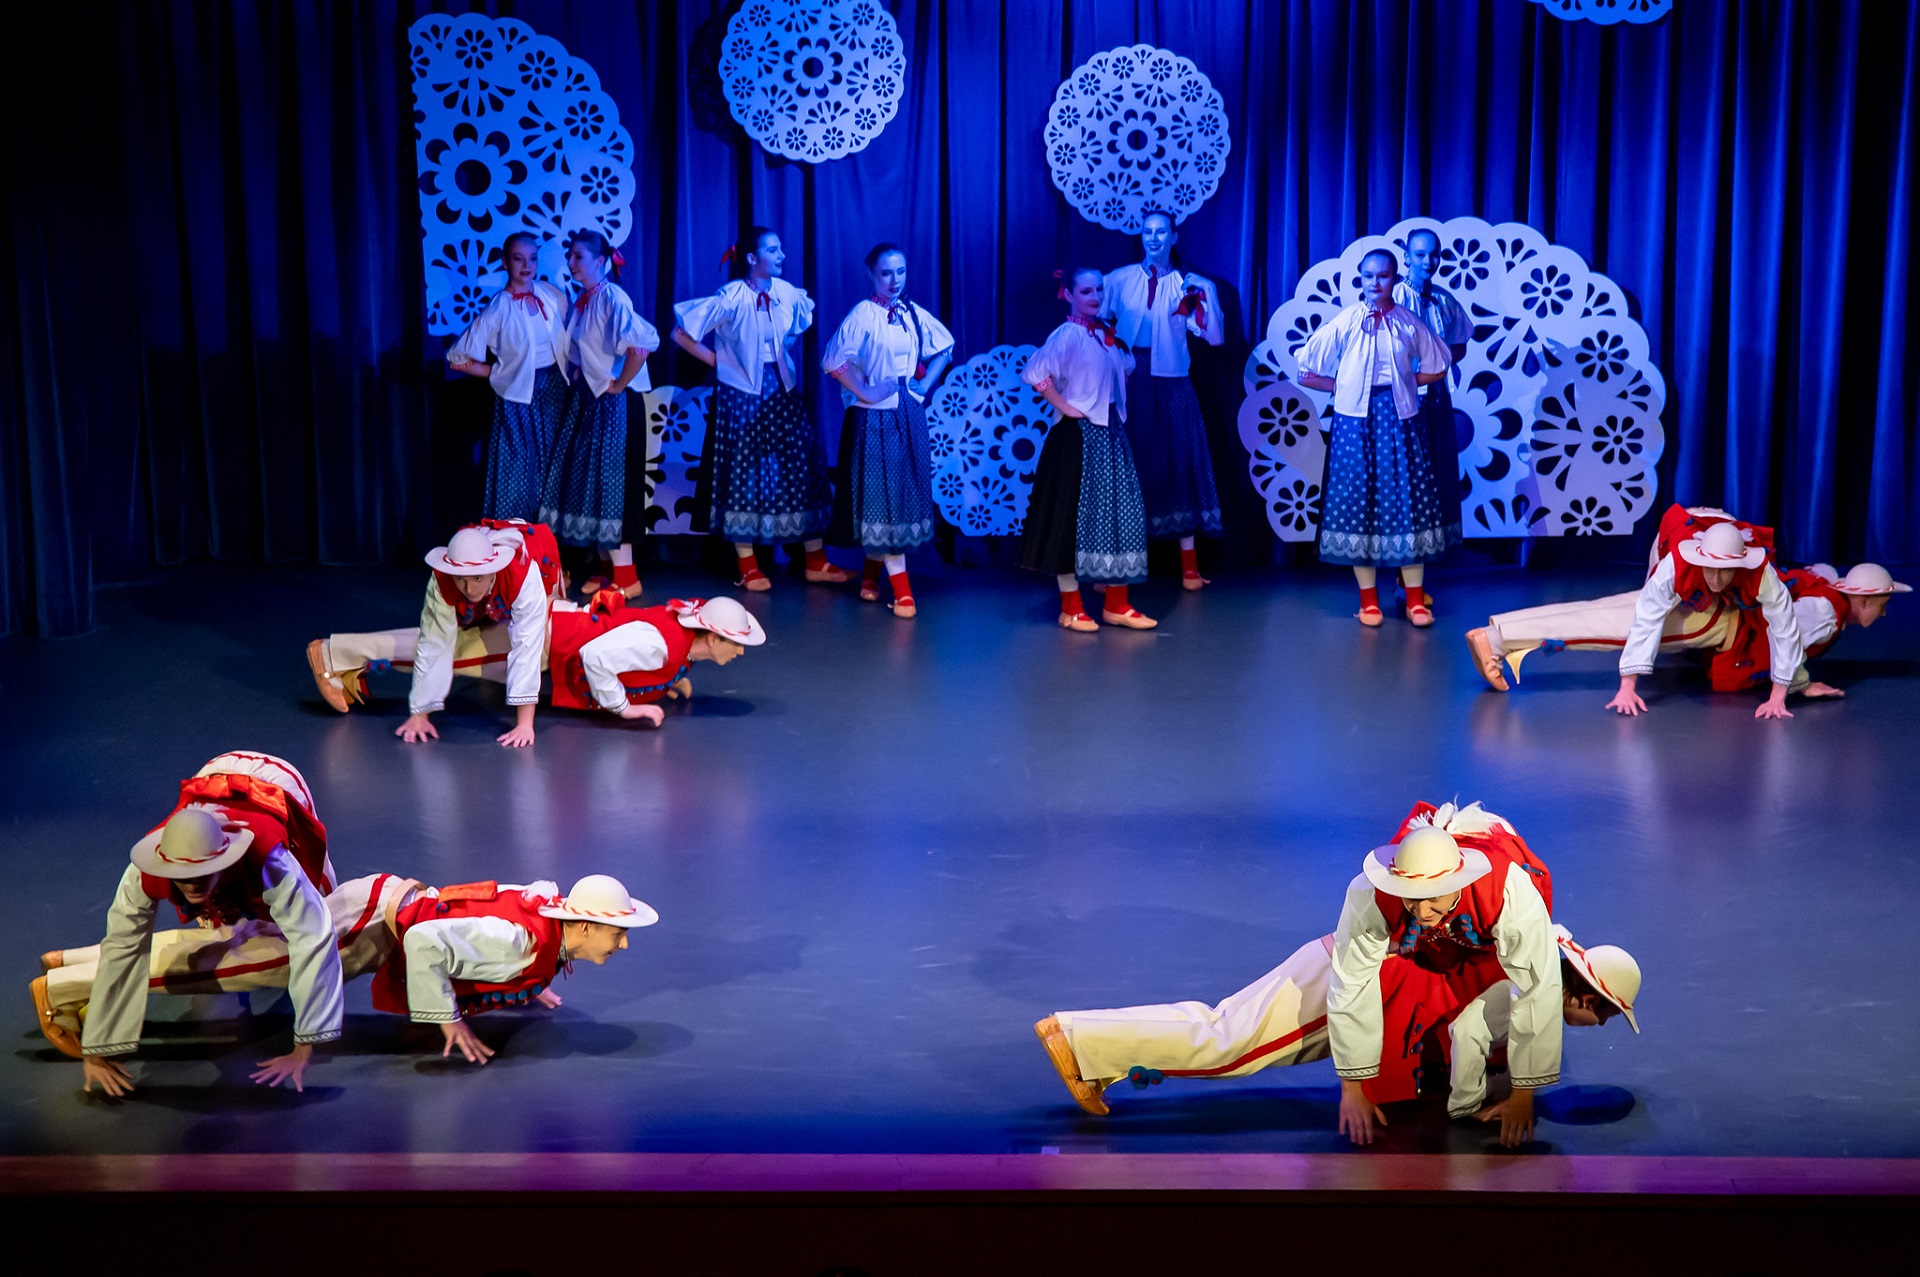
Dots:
{"x": 586, "y": 487}
{"x": 1086, "y": 516}
{"x": 1169, "y": 439}
{"x": 1443, "y": 445}
{"x": 1381, "y": 505}
{"x": 883, "y": 500}
{"x": 518, "y": 449}
{"x": 768, "y": 473}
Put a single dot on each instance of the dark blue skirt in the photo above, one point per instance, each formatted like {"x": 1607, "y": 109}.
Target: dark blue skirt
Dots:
{"x": 1443, "y": 445}
{"x": 1382, "y": 507}
{"x": 518, "y": 449}
{"x": 883, "y": 501}
{"x": 1169, "y": 440}
{"x": 586, "y": 487}
{"x": 769, "y": 474}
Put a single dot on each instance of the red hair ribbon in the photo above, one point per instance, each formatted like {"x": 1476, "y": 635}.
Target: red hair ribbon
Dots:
{"x": 617, "y": 259}
{"x": 733, "y": 250}
{"x": 1061, "y": 275}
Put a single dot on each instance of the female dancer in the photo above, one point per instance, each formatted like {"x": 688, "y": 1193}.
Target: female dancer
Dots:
{"x": 523, "y": 326}
{"x": 763, "y": 458}
{"x": 1086, "y": 517}
{"x": 888, "y": 353}
{"x": 1382, "y": 503}
{"x": 606, "y": 346}
{"x": 1153, "y": 306}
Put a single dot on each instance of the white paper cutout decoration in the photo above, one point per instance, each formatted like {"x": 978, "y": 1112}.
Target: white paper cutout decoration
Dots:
{"x": 1608, "y": 12}
{"x": 813, "y": 79}
{"x": 985, "y": 428}
{"x": 1136, "y": 128}
{"x": 1560, "y": 396}
{"x": 676, "y": 434}
{"x": 512, "y": 133}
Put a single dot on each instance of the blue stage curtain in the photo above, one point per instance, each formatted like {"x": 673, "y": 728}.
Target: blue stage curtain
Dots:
{"x": 219, "y": 344}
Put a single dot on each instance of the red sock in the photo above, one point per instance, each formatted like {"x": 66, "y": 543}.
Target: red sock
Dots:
{"x": 1416, "y": 597}
{"x": 1116, "y": 601}
{"x": 1190, "y": 562}
{"x": 625, "y": 575}
{"x": 817, "y": 560}
{"x": 902, "y": 588}
{"x": 870, "y": 574}
{"x": 1369, "y": 597}
{"x": 1070, "y": 604}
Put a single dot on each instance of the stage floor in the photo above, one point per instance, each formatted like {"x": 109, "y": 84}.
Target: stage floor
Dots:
{"x": 881, "y": 850}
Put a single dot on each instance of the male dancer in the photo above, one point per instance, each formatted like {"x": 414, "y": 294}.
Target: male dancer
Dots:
{"x": 1711, "y": 587}
{"x": 1826, "y": 603}
{"x": 487, "y": 599}
{"x": 439, "y": 955}
{"x": 243, "y": 851}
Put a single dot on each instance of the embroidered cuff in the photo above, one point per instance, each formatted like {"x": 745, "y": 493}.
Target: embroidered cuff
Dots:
{"x": 434, "y": 708}
{"x": 1788, "y": 681}
{"x": 308, "y": 1039}
{"x": 524, "y": 700}
{"x": 1532, "y": 1083}
{"x": 835, "y": 372}
{"x": 1636, "y": 669}
{"x": 1359, "y": 1074}
{"x": 1043, "y": 385}
{"x": 433, "y": 1017}
{"x": 112, "y": 1048}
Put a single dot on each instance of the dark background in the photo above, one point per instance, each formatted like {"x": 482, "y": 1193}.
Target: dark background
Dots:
{"x": 216, "y": 343}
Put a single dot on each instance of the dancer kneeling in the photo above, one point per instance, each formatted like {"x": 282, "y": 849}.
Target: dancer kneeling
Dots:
{"x": 242, "y": 854}
{"x": 1283, "y": 1018}
{"x": 1825, "y": 604}
{"x": 486, "y": 604}
{"x": 623, "y": 660}
{"x": 438, "y": 955}
{"x": 1086, "y": 517}
{"x": 1711, "y": 587}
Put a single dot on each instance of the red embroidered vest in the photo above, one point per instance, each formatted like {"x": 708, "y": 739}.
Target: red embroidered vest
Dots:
{"x": 1465, "y": 939}
{"x": 474, "y": 900}
{"x": 538, "y": 549}
{"x": 1746, "y": 660}
{"x": 570, "y": 631}
{"x": 276, "y": 818}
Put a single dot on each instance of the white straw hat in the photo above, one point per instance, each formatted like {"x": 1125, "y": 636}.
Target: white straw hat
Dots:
{"x": 1870, "y": 578}
{"x": 722, "y": 616}
{"x": 598, "y": 898}
{"x": 195, "y": 842}
{"x": 1610, "y": 969}
{"x": 1722, "y": 546}
{"x": 470, "y": 552}
{"x": 1424, "y": 864}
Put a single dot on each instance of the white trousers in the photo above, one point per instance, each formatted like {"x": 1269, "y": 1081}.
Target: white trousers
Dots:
{"x": 1601, "y": 625}
{"x": 1281, "y": 1018}
{"x": 251, "y": 954}
{"x": 479, "y": 651}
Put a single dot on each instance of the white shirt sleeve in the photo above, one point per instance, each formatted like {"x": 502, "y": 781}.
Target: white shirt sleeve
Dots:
{"x": 1430, "y": 353}
{"x": 117, "y": 1007}
{"x": 1814, "y": 615}
{"x": 433, "y": 653}
{"x": 482, "y": 335}
{"x": 1524, "y": 943}
{"x": 441, "y": 950}
{"x": 314, "y": 978}
{"x": 701, "y": 315}
{"x": 1657, "y": 600}
{"x": 1478, "y": 1026}
{"x": 935, "y": 338}
{"x": 527, "y": 637}
{"x": 635, "y": 646}
{"x": 1355, "y": 1019}
{"x": 1323, "y": 351}
{"x": 1784, "y": 647}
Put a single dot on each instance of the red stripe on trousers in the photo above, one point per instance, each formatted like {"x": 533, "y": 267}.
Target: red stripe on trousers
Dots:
{"x": 248, "y": 968}
{"x": 1259, "y": 1052}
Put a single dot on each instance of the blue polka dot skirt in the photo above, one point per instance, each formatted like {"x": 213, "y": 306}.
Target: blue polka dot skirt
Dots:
{"x": 519, "y": 446}
{"x": 768, "y": 472}
{"x": 586, "y": 487}
{"x": 1382, "y": 505}
{"x": 1086, "y": 516}
{"x": 1169, "y": 440}
{"x": 883, "y": 502}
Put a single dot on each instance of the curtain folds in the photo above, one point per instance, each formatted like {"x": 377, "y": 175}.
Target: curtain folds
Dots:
{"x": 218, "y": 344}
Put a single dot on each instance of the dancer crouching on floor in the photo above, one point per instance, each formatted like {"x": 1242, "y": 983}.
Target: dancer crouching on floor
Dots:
{"x": 1086, "y": 519}
{"x": 764, "y": 473}
{"x": 486, "y": 606}
{"x": 887, "y": 354}
{"x": 1382, "y": 498}
{"x": 243, "y": 853}
{"x": 439, "y": 955}
{"x": 605, "y": 656}
{"x": 1711, "y": 587}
